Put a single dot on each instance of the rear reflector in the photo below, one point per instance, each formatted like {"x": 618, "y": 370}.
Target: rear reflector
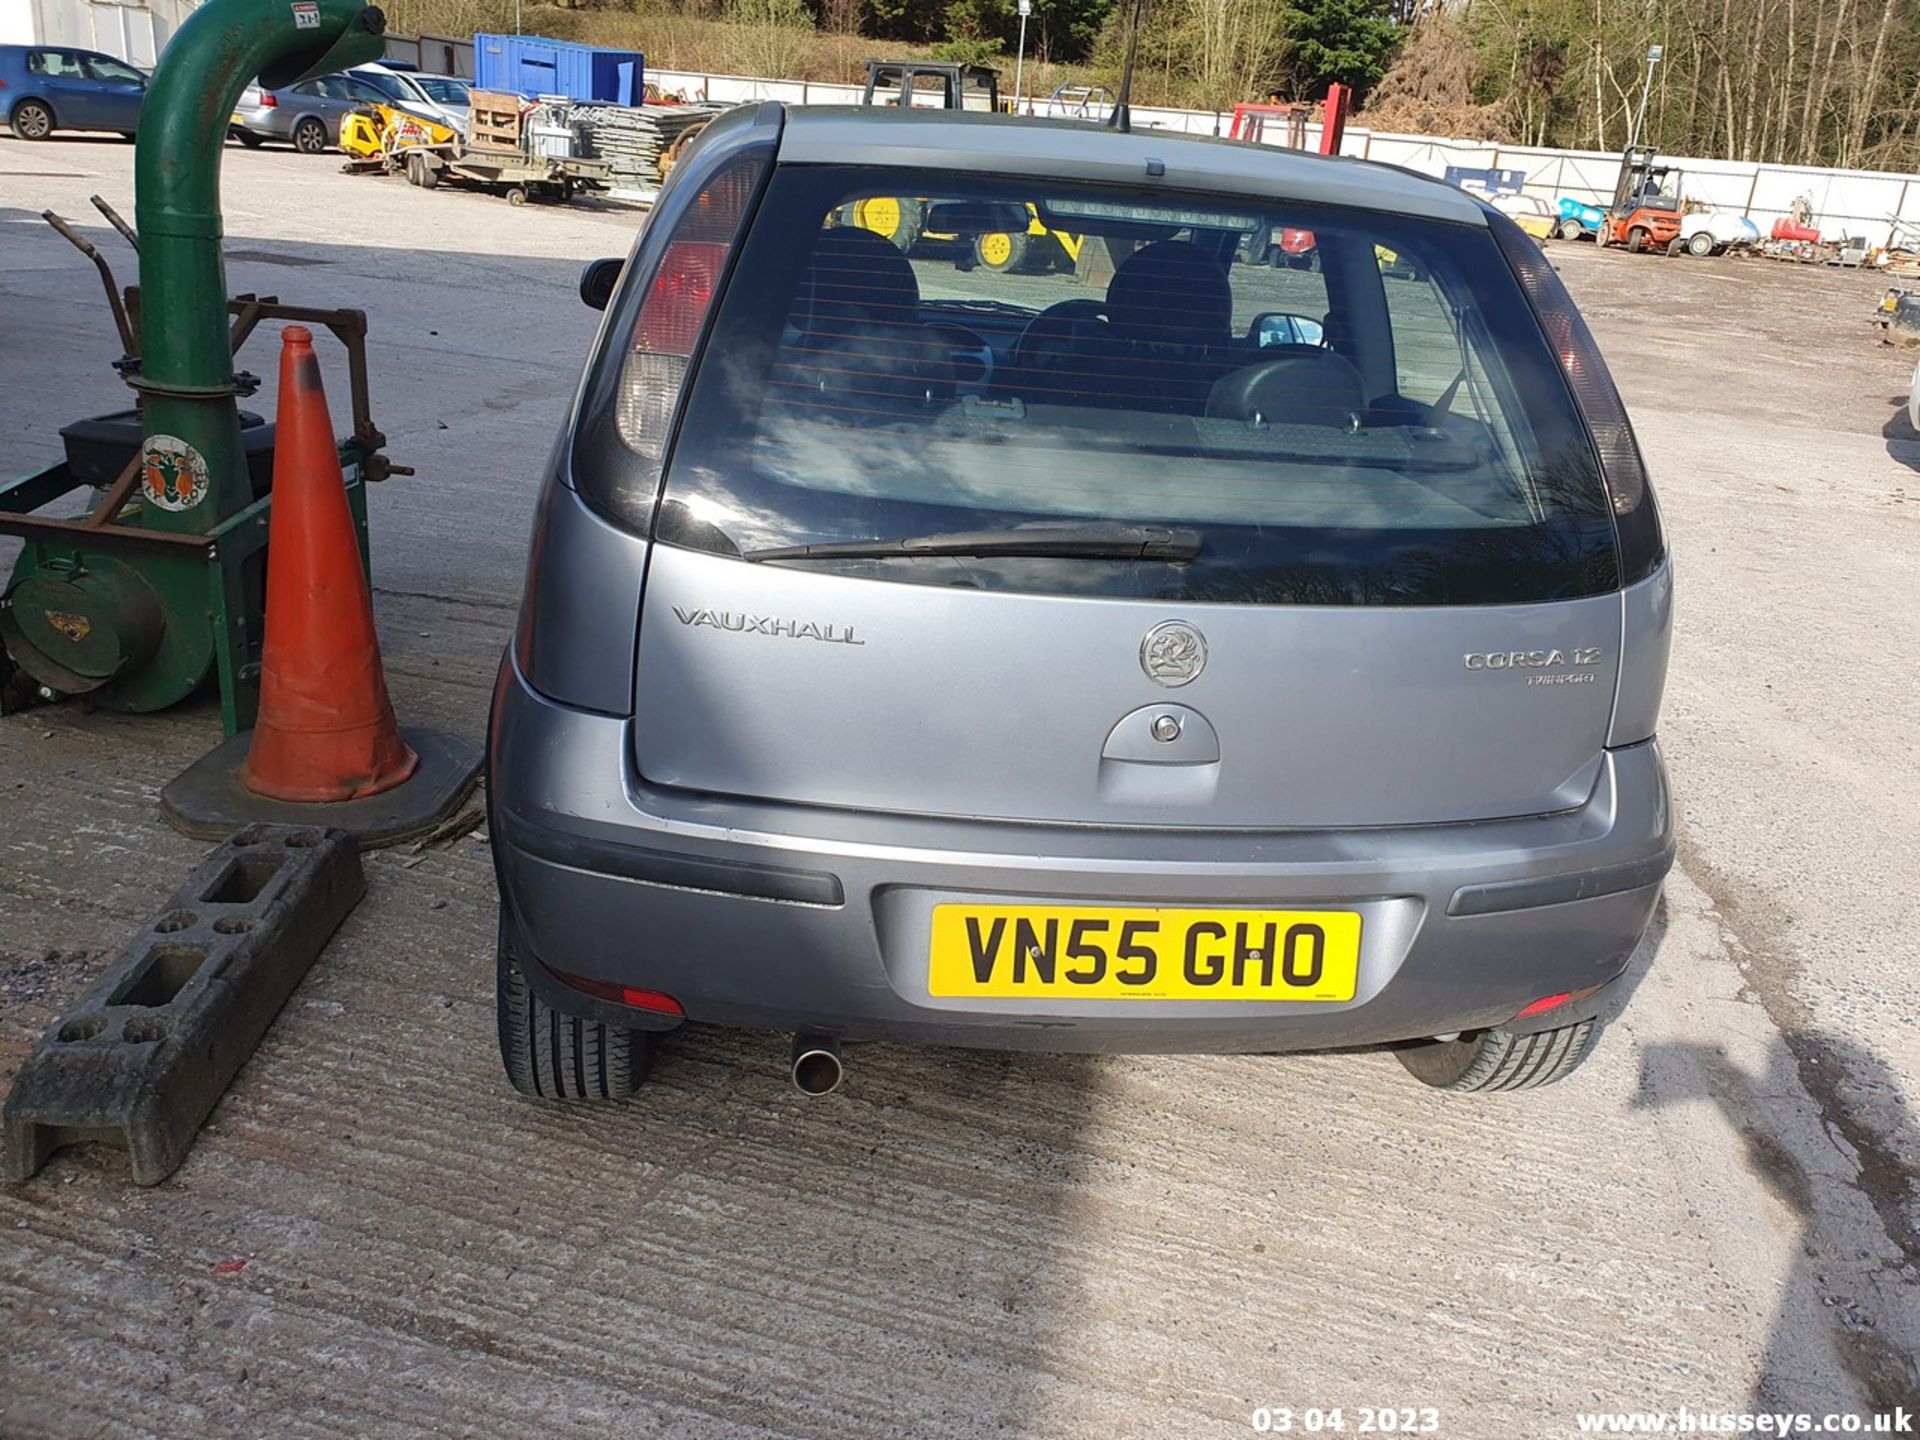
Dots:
{"x": 628, "y": 995}
{"x": 1554, "y": 1002}
{"x": 1635, "y": 518}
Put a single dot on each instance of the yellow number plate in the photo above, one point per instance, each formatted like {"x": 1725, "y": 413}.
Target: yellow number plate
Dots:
{"x": 1062, "y": 952}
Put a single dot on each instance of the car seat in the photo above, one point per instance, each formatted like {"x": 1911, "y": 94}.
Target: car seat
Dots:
{"x": 854, "y": 340}
{"x": 1166, "y": 337}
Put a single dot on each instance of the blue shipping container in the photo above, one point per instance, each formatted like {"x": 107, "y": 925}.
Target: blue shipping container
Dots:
{"x": 533, "y": 65}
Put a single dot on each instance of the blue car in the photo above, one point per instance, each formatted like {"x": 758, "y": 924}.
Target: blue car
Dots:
{"x": 44, "y": 88}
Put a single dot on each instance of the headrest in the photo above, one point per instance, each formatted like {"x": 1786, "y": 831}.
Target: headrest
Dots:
{"x": 857, "y": 275}
{"x": 1298, "y": 385}
{"x": 1171, "y": 293}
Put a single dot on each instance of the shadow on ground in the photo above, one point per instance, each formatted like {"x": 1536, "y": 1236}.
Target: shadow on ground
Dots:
{"x": 1903, "y": 441}
{"x": 1827, "y": 1278}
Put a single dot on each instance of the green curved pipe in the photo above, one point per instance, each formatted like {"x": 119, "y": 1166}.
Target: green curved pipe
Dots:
{"x": 186, "y": 367}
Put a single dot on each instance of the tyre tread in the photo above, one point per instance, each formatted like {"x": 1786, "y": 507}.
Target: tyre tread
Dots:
{"x": 553, "y": 1056}
{"x": 1502, "y": 1060}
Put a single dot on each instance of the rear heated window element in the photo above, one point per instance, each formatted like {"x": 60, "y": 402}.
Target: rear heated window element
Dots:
{"x": 1284, "y": 404}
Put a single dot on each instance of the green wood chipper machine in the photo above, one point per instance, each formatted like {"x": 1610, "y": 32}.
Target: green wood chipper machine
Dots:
{"x": 159, "y": 584}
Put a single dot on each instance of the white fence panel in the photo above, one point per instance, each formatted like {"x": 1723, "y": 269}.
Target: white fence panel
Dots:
{"x": 743, "y": 89}
{"x": 1851, "y": 202}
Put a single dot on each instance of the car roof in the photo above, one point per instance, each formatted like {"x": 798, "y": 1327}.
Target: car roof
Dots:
{"x": 1076, "y": 150}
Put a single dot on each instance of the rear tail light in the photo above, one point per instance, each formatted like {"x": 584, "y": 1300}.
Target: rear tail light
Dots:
{"x": 679, "y": 297}
{"x": 268, "y": 99}
{"x": 665, "y": 334}
{"x": 1636, "y": 520}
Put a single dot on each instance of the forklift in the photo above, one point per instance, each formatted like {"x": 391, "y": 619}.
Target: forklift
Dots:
{"x": 1645, "y": 214}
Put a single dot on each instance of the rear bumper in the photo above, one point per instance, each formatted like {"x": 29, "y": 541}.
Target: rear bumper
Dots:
{"x": 263, "y": 121}
{"x": 793, "y": 918}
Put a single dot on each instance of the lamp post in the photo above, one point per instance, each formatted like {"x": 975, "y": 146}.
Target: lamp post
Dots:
{"x": 1020, "y": 56}
{"x": 1640, "y": 115}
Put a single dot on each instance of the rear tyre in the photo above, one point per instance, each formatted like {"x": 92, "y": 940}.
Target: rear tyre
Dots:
{"x": 1568, "y": 230}
{"x": 310, "y": 136}
{"x": 517, "y": 195}
{"x": 1498, "y": 1059}
{"x": 551, "y": 1056}
{"x": 1700, "y": 244}
{"x": 248, "y": 139}
{"x": 891, "y": 217}
{"x": 1002, "y": 252}
{"x": 32, "y": 120}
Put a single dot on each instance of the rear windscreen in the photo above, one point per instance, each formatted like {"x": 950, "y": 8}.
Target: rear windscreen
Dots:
{"x": 1284, "y": 404}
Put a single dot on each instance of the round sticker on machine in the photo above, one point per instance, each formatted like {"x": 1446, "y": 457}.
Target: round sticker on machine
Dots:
{"x": 172, "y": 473}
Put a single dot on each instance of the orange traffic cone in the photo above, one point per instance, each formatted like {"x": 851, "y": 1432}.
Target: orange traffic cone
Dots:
{"x": 326, "y": 730}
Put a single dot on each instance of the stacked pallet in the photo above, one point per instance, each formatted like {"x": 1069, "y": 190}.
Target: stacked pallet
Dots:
{"x": 633, "y": 138}
{"x": 493, "y": 120}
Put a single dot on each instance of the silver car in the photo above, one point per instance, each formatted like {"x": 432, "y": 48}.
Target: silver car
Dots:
{"x": 446, "y": 98}
{"x": 1150, "y": 651}
{"x": 306, "y": 116}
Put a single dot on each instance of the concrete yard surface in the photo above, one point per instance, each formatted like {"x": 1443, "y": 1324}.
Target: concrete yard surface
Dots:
{"x": 1719, "y": 1211}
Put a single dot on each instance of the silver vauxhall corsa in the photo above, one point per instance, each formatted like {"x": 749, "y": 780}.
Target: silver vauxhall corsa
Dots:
{"x": 1117, "y": 644}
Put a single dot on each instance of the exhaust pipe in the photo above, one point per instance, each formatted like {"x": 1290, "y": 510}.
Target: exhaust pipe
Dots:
{"x": 816, "y": 1064}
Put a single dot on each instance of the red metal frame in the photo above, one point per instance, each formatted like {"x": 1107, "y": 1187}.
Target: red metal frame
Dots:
{"x": 1250, "y": 121}
{"x": 1333, "y": 121}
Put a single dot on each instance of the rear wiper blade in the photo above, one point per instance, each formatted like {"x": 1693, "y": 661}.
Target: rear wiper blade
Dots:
{"x": 1066, "y": 542}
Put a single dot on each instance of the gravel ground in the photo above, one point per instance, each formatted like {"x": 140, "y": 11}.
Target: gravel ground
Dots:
{"x": 1719, "y": 1211}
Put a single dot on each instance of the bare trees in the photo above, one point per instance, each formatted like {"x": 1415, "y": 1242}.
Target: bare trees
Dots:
{"x": 1234, "y": 47}
{"x": 1808, "y": 81}
{"x": 775, "y": 35}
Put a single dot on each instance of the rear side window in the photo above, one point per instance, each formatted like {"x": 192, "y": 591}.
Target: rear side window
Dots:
{"x": 439, "y": 88}
{"x": 1287, "y": 404}
{"x": 55, "y": 64}
{"x": 376, "y": 91}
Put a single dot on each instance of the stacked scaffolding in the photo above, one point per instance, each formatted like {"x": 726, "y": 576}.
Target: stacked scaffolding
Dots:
{"x": 638, "y": 142}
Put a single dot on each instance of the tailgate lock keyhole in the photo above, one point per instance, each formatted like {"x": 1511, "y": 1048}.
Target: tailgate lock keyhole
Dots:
{"x": 1166, "y": 728}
